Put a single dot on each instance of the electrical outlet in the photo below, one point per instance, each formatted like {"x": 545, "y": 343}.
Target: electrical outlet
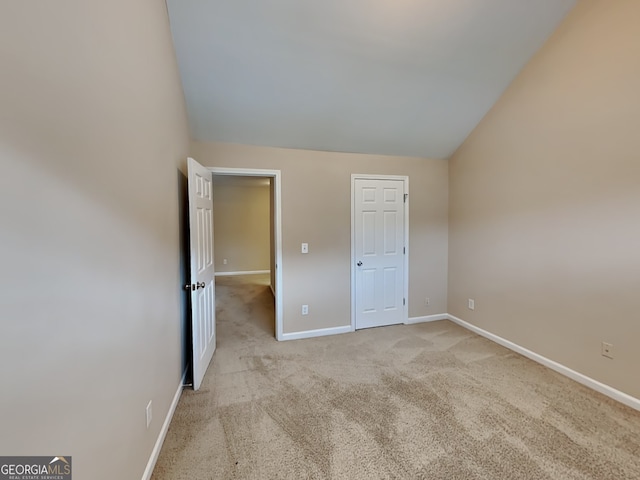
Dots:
{"x": 472, "y": 304}
{"x": 304, "y": 248}
{"x": 224, "y": 261}
{"x": 149, "y": 413}
{"x": 305, "y": 309}
{"x": 607, "y": 350}
{"x": 426, "y": 302}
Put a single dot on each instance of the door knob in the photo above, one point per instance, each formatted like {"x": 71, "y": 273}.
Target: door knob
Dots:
{"x": 194, "y": 286}
{"x": 359, "y": 264}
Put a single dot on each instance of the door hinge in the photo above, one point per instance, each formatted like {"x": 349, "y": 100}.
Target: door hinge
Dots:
{"x": 406, "y": 195}
{"x": 404, "y": 301}
{"x": 404, "y": 250}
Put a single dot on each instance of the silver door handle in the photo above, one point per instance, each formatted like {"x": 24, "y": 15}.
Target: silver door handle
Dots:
{"x": 200, "y": 285}
{"x": 359, "y": 264}
{"x": 194, "y": 286}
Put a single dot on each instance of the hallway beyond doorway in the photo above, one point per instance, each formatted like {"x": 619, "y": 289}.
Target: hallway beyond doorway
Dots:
{"x": 245, "y": 308}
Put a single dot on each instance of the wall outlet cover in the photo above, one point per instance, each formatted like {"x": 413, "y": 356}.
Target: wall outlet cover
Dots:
{"x": 149, "y": 412}
{"x": 607, "y": 350}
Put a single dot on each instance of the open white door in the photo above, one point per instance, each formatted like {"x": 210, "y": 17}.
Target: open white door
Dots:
{"x": 202, "y": 287}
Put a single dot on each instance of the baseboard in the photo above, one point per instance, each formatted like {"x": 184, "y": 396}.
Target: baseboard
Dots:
{"x": 155, "y": 453}
{"x": 248, "y": 272}
{"x": 321, "y": 332}
{"x": 428, "y": 318}
{"x": 610, "y": 392}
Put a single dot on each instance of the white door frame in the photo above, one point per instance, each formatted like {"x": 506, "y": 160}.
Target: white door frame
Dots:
{"x": 405, "y": 180}
{"x": 276, "y": 176}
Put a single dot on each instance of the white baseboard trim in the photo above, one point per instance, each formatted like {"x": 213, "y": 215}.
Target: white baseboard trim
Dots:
{"x": 610, "y": 392}
{"x": 248, "y": 272}
{"x": 428, "y": 318}
{"x": 155, "y": 453}
{"x": 321, "y": 332}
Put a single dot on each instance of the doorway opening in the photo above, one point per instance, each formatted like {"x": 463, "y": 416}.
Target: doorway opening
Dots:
{"x": 247, "y": 237}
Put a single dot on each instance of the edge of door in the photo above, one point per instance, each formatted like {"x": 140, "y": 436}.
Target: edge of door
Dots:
{"x": 276, "y": 175}
{"x": 405, "y": 180}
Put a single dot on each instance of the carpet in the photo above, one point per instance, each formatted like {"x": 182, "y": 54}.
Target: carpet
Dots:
{"x": 425, "y": 401}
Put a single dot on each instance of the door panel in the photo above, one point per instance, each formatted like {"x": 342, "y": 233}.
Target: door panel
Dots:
{"x": 202, "y": 269}
{"x": 379, "y": 252}
{"x": 390, "y": 279}
{"x": 390, "y": 226}
{"x": 368, "y": 233}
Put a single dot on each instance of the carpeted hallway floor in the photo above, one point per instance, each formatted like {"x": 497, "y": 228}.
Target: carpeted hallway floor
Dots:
{"x": 427, "y": 401}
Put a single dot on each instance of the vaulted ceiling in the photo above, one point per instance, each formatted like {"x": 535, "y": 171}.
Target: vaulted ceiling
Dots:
{"x": 397, "y": 77}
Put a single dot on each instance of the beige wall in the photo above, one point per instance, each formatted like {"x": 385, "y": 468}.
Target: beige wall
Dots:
{"x": 316, "y": 208}
{"x": 545, "y": 201}
{"x": 241, "y": 216}
{"x": 92, "y": 130}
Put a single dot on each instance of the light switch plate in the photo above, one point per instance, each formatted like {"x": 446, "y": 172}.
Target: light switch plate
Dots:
{"x": 305, "y": 248}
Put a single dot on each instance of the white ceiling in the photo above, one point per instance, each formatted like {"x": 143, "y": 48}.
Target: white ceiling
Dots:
{"x": 397, "y": 77}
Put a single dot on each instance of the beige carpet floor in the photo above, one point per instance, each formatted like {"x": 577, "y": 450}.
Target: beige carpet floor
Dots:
{"x": 427, "y": 401}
